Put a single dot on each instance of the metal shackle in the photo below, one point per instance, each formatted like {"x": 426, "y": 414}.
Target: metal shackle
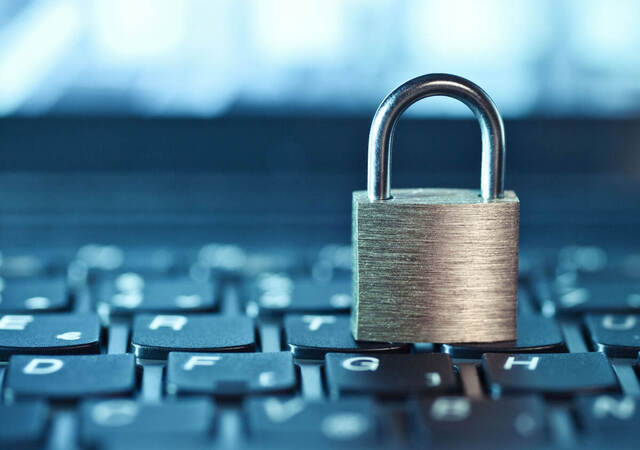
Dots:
{"x": 436, "y": 84}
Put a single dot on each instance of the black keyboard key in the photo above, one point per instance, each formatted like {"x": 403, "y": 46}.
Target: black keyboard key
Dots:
{"x": 69, "y": 377}
{"x": 33, "y": 295}
{"x": 129, "y": 292}
{"x": 578, "y": 265}
{"x": 608, "y": 413}
{"x": 628, "y": 265}
{"x": 583, "y": 259}
{"x": 49, "y": 334}
{"x": 29, "y": 264}
{"x": 526, "y": 262}
{"x": 333, "y": 261}
{"x": 105, "y": 259}
{"x": 276, "y": 293}
{"x": 465, "y": 423}
{"x": 536, "y": 334}
{"x": 615, "y": 297}
{"x": 154, "y": 336}
{"x": 22, "y": 425}
{"x": 616, "y": 335}
{"x": 347, "y": 422}
{"x": 552, "y": 374}
{"x": 312, "y": 336}
{"x": 608, "y": 421}
{"x": 101, "y": 420}
{"x": 386, "y": 375}
{"x": 232, "y": 261}
{"x": 230, "y": 373}
{"x": 161, "y": 441}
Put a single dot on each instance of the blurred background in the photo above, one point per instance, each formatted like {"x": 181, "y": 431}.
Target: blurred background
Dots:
{"x": 213, "y": 114}
{"x": 206, "y": 58}
{"x": 223, "y": 139}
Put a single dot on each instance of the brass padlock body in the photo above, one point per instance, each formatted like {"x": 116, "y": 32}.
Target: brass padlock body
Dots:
{"x": 435, "y": 265}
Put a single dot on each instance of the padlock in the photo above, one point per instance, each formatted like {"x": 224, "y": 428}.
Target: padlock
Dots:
{"x": 435, "y": 265}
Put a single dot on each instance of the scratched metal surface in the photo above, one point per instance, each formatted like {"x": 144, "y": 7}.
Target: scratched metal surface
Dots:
{"x": 428, "y": 252}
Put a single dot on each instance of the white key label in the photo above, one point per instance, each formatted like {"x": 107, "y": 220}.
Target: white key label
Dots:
{"x": 174, "y": 322}
{"x": 42, "y": 366}
{"x": 361, "y": 364}
{"x": 200, "y": 360}
{"x": 18, "y": 323}
{"x": 70, "y": 336}
{"x": 530, "y": 364}
{"x": 315, "y": 322}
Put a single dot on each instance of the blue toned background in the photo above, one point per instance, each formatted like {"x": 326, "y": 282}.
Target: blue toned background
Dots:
{"x": 203, "y": 58}
{"x": 232, "y": 119}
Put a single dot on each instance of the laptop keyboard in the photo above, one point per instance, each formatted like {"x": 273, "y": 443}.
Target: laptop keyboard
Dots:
{"x": 107, "y": 347}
